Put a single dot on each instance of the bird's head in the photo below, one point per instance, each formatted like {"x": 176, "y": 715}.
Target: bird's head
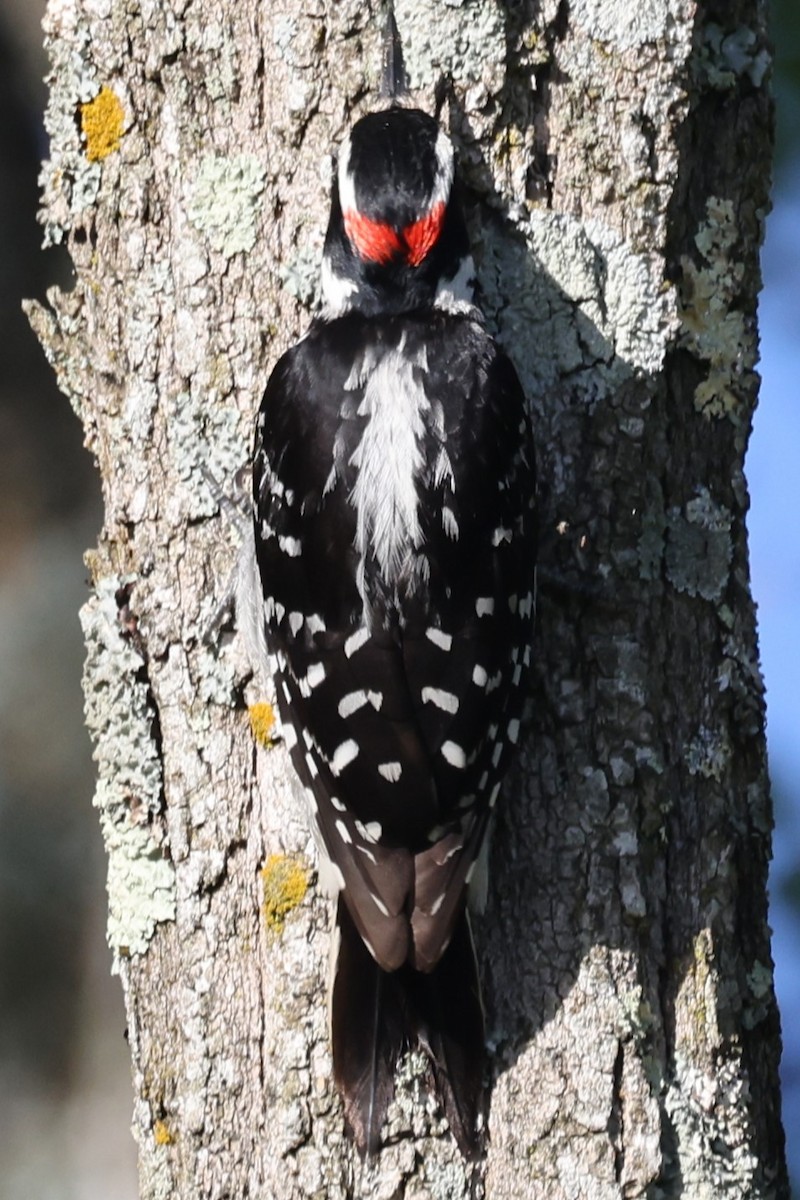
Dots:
{"x": 396, "y": 237}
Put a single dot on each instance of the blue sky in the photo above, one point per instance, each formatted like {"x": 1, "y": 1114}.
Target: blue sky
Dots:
{"x": 773, "y": 472}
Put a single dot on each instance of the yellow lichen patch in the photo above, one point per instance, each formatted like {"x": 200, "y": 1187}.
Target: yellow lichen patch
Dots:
{"x": 161, "y": 1133}
{"x": 262, "y": 722}
{"x": 102, "y": 120}
{"x": 285, "y": 883}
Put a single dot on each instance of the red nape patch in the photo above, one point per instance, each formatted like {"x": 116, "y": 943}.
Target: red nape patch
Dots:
{"x": 420, "y": 238}
{"x": 374, "y": 240}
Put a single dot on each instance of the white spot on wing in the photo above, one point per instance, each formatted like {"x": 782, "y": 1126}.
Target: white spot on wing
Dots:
{"x": 315, "y": 674}
{"x": 352, "y": 702}
{"x": 513, "y": 731}
{"x": 315, "y": 623}
{"x": 291, "y": 546}
{"x": 391, "y": 771}
{"x": 289, "y": 737}
{"x": 344, "y": 832}
{"x": 479, "y": 675}
{"x": 343, "y": 756}
{"x": 442, "y": 699}
{"x": 295, "y": 622}
{"x": 370, "y": 832}
{"x": 356, "y": 641}
{"x": 484, "y": 606}
{"x": 501, "y": 534}
{"x": 439, "y": 638}
{"x": 454, "y": 754}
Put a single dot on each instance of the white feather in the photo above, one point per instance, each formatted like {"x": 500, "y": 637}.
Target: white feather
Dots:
{"x": 389, "y": 460}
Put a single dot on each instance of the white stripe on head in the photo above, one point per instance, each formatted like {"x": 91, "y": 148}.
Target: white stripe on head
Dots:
{"x": 347, "y": 190}
{"x": 336, "y": 289}
{"x": 443, "y": 181}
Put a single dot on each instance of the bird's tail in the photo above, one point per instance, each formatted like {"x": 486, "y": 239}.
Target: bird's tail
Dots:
{"x": 376, "y": 1015}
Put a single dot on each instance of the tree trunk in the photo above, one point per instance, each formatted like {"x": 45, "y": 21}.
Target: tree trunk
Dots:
{"x": 616, "y": 169}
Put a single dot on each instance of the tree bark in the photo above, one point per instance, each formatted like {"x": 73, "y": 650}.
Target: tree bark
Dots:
{"x": 616, "y": 168}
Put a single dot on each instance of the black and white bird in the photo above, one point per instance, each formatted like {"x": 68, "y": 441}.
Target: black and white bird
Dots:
{"x": 395, "y": 539}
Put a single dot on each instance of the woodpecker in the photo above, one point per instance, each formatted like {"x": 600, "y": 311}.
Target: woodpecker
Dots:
{"x": 394, "y": 517}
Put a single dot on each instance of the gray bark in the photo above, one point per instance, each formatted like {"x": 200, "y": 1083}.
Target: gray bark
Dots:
{"x": 617, "y": 168}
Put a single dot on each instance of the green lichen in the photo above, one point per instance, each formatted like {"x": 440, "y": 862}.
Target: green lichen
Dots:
{"x": 761, "y": 984}
{"x": 121, "y": 720}
{"x": 446, "y": 1179}
{"x": 698, "y": 550}
{"x": 300, "y": 276}
{"x": 207, "y": 438}
{"x": 725, "y": 56}
{"x": 714, "y": 1139}
{"x": 225, "y": 201}
{"x": 464, "y": 37}
{"x": 708, "y": 754}
{"x": 713, "y": 329}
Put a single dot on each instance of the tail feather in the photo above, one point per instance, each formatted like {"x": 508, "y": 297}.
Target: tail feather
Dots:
{"x": 376, "y": 1015}
{"x": 451, "y": 1028}
{"x": 368, "y": 1027}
